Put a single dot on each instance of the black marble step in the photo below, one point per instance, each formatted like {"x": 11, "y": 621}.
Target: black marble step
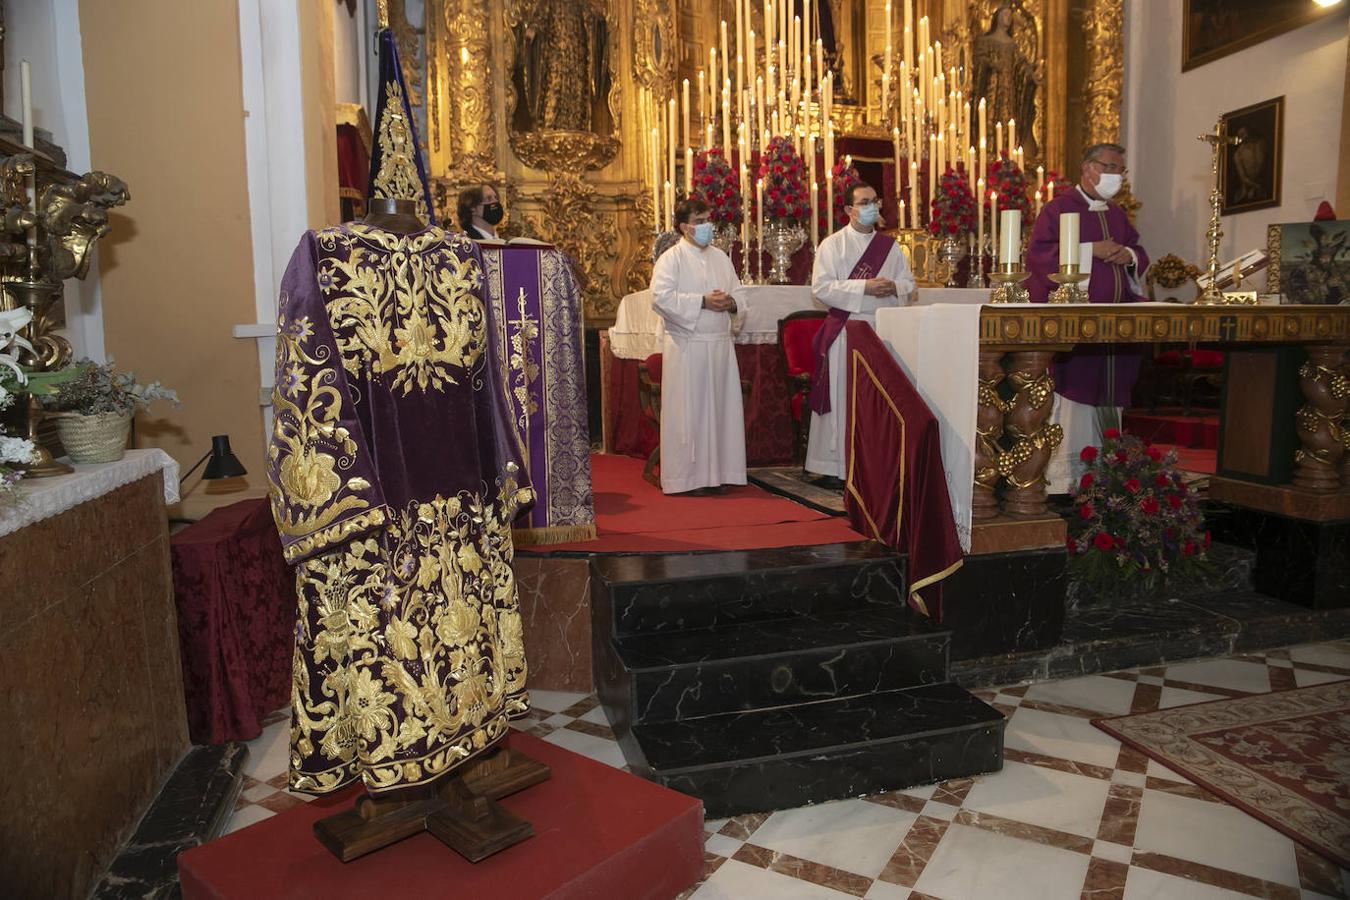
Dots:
{"x": 761, "y": 664}
{"x": 664, "y": 593}
{"x": 791, "y": 756}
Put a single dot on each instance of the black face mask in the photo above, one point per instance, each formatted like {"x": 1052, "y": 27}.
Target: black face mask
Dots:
{"x": 492, "y": 213}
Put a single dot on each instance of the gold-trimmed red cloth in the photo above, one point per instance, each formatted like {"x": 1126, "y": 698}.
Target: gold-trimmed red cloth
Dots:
{"x": 896, "y": 488}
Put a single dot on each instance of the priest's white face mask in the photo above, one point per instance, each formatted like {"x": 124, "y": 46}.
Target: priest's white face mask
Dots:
{"x": 1109, "y": 171}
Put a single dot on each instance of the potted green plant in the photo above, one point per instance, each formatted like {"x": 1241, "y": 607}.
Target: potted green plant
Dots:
{"x": 93, "y": 410}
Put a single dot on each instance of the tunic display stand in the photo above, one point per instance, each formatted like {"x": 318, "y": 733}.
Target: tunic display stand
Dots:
{"x": 459, "y": 810}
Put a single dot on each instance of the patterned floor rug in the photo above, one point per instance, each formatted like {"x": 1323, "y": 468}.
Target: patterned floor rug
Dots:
{"x": 1283, "y": 757}
{"x": 795, "y": 484}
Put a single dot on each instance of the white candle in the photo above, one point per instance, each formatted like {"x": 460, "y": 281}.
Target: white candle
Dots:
{"x": 759, "y": 98}
{"x": 885, "y": 94}
{"x": 688, "y": 171}
{"x": 726, "y": 117}
{"x": 902, "y": 215}
{"x": 829, "y": 201}
{"x": 895, "y": 145}
{"x": 670, "y": 141}
{"x": 993, "y": 219}
{"x": 760, "y": 218}
{"x": 26, "y": 92}
{"x": 811, "y": 158}
{"x": 670, "y": 206}
{"x": 1010, "y": 228}
{"x": 932, "y": 168}
{"x": 740, "y": 50}
{"x": 1012, "y": 133}
{"x": 656, "y": 181}
{"x": 1040, "y": 186}
{"x": 815, "y": 213}
{"x": 829, "y": 150}
{"x": 702, "y": 98}
{"x": 913, "y": 193}
{"x": 998, "y": 141}
{"x": 979, "y": 215}
{"x": 1068, "y": 239}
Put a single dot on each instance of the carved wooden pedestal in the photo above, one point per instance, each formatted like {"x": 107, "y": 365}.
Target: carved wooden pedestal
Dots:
{"x": 988, "y": 432}
{"x": 460, "y": 810}
{"x": 1320, "y": 423}
{"x": 1034, "y": 439}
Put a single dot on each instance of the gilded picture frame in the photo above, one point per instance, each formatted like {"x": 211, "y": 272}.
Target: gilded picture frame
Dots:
{"x": 1213, "y": 29}
{"x": 1250, "y": 173}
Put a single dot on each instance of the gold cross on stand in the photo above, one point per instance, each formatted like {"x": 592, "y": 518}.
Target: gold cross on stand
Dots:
{"x": 1217, "y": 139}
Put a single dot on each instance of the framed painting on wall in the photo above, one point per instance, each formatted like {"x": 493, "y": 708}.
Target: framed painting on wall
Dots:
{"x": 1212, "y": 29}
{"x": 1250, "y": 172}
{"x": 1310, "y": 262}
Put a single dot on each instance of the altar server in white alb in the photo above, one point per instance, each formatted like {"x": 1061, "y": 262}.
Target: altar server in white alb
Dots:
{"x": 858, "y": 270}
{"x": 702, "y": 422}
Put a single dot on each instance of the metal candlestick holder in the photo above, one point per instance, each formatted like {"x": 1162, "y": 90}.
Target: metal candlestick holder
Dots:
{"x": 1068, "y": 278}
{"x": 1009, "y": 278}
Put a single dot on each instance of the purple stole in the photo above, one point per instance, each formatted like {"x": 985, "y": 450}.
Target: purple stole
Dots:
{"x": 868, "y": 265}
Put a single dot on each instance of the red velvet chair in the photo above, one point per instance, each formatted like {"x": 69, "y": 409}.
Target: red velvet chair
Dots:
{"x": 649, "y": 399}
{"x": 795, "y": 334}
{"x": 1187, "y": 368}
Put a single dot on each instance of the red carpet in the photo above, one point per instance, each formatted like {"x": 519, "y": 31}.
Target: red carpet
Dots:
{"x": 1169, "y": 426}
{"x": 598, "y": 832}
{"x": 632, "y": 516}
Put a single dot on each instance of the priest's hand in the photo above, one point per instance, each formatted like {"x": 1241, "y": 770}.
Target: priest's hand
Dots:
{"x": 718, "y": 301}
{"x": 880, "y": 287}
{"x": 1110, "y": 251}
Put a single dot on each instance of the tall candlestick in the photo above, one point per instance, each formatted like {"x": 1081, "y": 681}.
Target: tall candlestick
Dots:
{"x": 984, "y": 131}
{"x": 983, "y": 169}
{"x": 1010, "y": 229}
{"x": 655, "y": 161}
{"x": 26, "y": 96}
{"x": 702, "y": 98}
{"x": 932, "y": 167}
{"x": 670, "y": 206}
{"x": 829, "y": 149}
{"x": 993, "y": 218}
{"x": 726, "y": 60}
{"x": 901, "y": 220}
{"x": 820, "y": 61}
{"x": 670, "y": 141}
{"x": 885, "y": 94}
{"x": 886, "y": 63}
{"x": 811, "y": 157}
{"x": 688, "y": 171}
{"x": 726, "y": 117}
{"x": 829, "y": 201}
{"x": 740, "y": 50}
{"x": 815, "y": 213}
{"x": 979, "y": 216}
{"x": 998, "y": 141}
{"x": 899, "y": 180}
{"x": 684, "y": 114}
{"x": 1012, "y": 134}
{"x": 759, "y": 194}
{"x": 759, "y": 98}
{"x": 937, "y": 57}
{"x": 909, "y": 31}
{"x": 1040, "y": 188}
{"x": 1068, "y": 239}
{"x": 941, "y": 156}
{"x": 914, "y": 191}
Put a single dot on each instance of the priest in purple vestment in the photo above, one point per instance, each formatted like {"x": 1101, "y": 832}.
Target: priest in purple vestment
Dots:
{"x": 1092, "y": 382}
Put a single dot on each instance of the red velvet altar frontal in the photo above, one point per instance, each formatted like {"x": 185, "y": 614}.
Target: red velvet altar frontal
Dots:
{"x": 598, "y": 833}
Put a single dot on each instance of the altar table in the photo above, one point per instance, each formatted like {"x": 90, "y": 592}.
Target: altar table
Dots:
{"x": 637, "y": 334}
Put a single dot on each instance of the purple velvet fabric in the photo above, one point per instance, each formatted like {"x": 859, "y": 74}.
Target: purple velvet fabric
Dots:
{"x": 1102, "y": 374}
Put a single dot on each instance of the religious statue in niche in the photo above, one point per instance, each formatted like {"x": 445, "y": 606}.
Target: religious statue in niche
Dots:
{"x": 1006, "y": 71}
{"x": 561, "y": 73}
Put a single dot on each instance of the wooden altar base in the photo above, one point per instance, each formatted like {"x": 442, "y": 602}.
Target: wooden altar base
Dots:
{"x": 599, "y": 832}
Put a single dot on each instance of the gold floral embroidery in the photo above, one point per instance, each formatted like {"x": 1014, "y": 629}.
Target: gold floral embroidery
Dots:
{"x": 403, "y": 304}
{"x": 309, "y": 445}
{"x": 410, "y": 655}
{"x": 398, "y": 177}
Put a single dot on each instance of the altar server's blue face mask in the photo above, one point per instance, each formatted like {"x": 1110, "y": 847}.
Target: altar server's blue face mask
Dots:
{"x": 703, "y": 233}
{"x": 868, "y": 214}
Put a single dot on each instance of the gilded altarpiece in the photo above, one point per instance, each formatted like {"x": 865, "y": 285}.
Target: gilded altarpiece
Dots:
{"x": 544, "y": 98}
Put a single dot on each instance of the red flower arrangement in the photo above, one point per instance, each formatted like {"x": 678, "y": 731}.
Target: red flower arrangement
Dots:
{"x": 785, "y": 194}
{"x": 715, "y": 183}
{"x": 1136, "y": 518}
{"x": 1055, "y": 184}
{"x": 1006, "y": 178}
{"x": 953, "y": 211}
{"x": 845, "y": 176}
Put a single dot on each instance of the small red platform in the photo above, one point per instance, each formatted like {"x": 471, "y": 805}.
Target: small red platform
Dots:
{"x": 598, "y": 833}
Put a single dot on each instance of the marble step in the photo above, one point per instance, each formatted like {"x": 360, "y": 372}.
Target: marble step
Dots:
{"x": 802, "y": 659}
{"x": 664, "y": 593}
{"x": 792, "y": 756}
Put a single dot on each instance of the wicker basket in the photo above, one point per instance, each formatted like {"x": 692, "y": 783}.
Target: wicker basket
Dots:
{"x": 100, "y": 438}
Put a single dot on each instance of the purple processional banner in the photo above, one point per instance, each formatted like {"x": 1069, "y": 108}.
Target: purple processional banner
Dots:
{"x": 535, "y": 311}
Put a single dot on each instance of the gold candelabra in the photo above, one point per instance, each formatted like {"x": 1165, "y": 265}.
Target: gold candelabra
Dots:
{"x": 1009, "y": 278}
{"x": 1217, "y": 140}
{"x": 1068, "y": 278}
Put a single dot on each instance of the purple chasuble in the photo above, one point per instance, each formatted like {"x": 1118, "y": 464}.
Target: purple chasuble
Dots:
{"x": 868, "y": 265}
{"x": 395, "y": 475}
{"x": 1099, "y": 374}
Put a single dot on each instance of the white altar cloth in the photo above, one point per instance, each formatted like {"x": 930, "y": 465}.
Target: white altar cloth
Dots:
{"x": 42, "y": 498}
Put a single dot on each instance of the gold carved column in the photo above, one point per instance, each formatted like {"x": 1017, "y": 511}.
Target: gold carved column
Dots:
{"x": 462, "y": 90}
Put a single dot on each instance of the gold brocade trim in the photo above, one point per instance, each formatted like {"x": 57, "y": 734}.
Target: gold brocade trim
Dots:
{"x": 398, "y": 177}
{"x": 335, "y": 534}
{"x": 552, "y": 534}
{"x": 858, "y": 360}
{"x": 930, "y": 580}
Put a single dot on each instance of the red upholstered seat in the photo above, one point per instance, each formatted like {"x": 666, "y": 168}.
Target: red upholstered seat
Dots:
{"x": 1171, "y": 359}
{"x": 1185, "y": 367}
{"x": 795, "y": 337}
{"x": 1207, "y": 359}
{"x": 653, "y": 364}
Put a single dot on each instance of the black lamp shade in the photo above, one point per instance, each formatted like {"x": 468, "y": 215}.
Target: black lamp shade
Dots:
{"x": 223, "y": 463}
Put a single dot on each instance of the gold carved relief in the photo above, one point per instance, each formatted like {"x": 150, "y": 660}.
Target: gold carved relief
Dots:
{"x": 1104, "y": 27}
{"x": 460, "y": 54}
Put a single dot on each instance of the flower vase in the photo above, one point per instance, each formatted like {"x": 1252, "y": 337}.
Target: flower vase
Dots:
{"x": 951, "y": 252}
{"x": 782, "y": 239}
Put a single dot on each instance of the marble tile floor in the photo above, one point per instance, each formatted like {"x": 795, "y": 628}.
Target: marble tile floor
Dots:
{"x": 1073, "y": 813}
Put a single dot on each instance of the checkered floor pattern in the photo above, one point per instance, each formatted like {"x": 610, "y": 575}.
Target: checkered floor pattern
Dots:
{"x": 1073, "y": 813}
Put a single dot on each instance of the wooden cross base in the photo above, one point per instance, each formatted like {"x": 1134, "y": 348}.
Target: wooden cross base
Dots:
{"x": 459, "y": 809}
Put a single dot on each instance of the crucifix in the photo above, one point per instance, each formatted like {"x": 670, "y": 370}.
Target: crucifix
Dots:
{"x": 1218, "y": 140}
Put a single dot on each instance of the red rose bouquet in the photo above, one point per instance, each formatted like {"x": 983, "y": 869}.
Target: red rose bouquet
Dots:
{"x": 715, "y": 184}
{"x": 953, "y": 209}
{"x": 845, "y": 176}
{"x": 1134, "y": 517}
{"x": 1055, "y": 184}
{"x": 785, "y": 195}
{"x": 1006, "y": 178}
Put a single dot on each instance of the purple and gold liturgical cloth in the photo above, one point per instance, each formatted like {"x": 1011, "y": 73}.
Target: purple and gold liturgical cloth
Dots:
{"x": 535, "y": 311}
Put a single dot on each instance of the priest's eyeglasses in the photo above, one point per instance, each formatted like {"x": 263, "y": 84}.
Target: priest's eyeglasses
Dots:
{"x": 1110, "y": 167}
{"x": 863, "y": 204}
